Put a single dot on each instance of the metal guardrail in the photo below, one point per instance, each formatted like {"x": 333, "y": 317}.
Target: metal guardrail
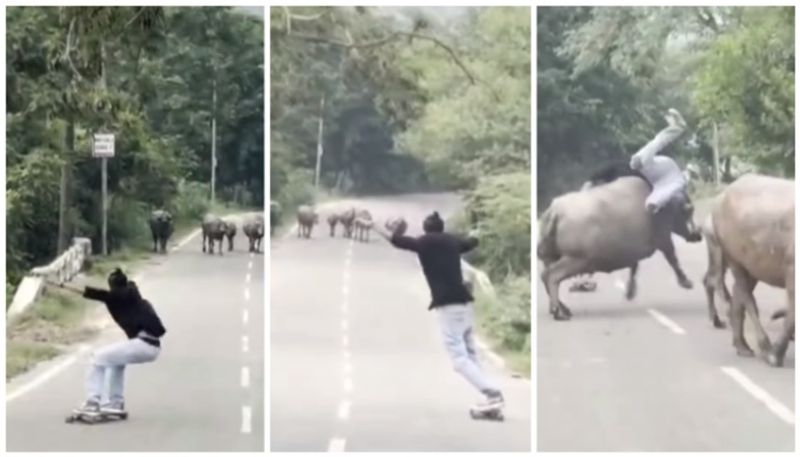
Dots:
{"x": 61, "y": 270}
{"x": 474, "y": 276}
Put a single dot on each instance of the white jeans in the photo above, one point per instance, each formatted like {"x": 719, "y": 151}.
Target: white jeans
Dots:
{"x": 110, "y": 362}
{"x": 456, "y": 324}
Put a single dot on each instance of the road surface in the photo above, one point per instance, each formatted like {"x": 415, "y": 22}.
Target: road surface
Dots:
{"x": 204, "y": 393}
{"x": 357, "y": 363}
{"x": 653, "y": 374}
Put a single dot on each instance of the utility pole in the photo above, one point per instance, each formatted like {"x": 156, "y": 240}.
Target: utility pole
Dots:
{"x": 104, "y": 158}
{"x": 63, "y": 198}
{"x": 213, "y": 139}
{"x": 319, "y": 146}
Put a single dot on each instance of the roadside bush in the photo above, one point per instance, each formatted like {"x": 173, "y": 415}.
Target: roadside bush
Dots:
{"x": 299, "y": 190}
{"x": 192, "y": 201}
{"x": 501, "y": 208}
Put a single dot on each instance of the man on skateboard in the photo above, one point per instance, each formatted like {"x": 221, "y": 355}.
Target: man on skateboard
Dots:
{"x": 137, "y": 318}
{"x": 440, "y": 257}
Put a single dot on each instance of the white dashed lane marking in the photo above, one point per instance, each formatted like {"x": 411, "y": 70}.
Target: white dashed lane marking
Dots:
{"x": 667, "y": 322}
{"x": 247, "y": 419}
{"x": 775, "y": 406}
{"x": 337, "y": 445}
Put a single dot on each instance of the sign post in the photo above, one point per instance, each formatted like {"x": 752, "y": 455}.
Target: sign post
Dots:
{"x": 103, "y": 147}
{"x": 214, "y": 142}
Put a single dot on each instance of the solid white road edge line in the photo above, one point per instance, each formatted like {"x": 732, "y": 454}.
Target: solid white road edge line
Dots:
{"x": 777, "y": 408}
{"x": 45, "y": 376}
{"x": 185, "y": 240}
{"x": 496, "y": 359}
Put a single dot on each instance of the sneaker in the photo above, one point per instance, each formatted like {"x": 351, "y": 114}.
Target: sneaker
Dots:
{"x": 90, "y": 407}
{"x": 494, "y": 401}
{"x": 116, "y": 407}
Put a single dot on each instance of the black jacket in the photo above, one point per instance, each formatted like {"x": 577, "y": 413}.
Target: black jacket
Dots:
{"x": 440, "y": 257}
{"x": 129, "y": 310}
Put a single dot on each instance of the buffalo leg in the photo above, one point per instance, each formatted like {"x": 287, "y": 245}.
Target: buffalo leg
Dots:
{"x": 155, "y": 243}
{"x": 164, "y": 245}
{"x": 743, "y": 287}
{"x": 563, "y": 268}
{"x": 630, "y": 290}
{"x": 668, "y": 249}
{"x": 778, "y": 354}
{"x": 714, "y": 282}
{"x": 204, "y": 242}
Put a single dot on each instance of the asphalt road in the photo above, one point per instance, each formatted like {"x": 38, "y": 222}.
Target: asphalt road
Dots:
{"x": 204, "y": 393}
{"x": 357, "y": 363}
{"x": 653, "y": 374}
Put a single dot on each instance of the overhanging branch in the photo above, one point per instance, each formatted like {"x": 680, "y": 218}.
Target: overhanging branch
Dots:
{"x": 393, "y": 37}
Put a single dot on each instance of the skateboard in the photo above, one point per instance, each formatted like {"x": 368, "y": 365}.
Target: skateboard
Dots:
{"x": 494, "y": 414}
{"x": 94, "y": 418}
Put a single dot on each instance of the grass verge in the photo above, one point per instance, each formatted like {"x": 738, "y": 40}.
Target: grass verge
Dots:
{"x": 504, "y": 322}
{"x": 55, "y": 321}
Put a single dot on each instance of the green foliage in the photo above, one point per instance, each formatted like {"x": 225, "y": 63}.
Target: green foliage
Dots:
{"x": 506, "y": 318}
{"x": 298, "y": 190}
{"x": 307, "y": 65}
{"x": 747, "y": 78}
{"x": 606, "y": 76}
{"x": 468, "y": 130}
{"x": 192, "y": 201}
{"x": 147, "y": 74}
{"x": 22, "y": 356}
{"x": 502, "y": 208}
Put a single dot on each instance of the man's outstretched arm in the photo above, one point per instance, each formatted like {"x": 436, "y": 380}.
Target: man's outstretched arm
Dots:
{"x": 469, "y": 243}
{"x": 397, "y": 240}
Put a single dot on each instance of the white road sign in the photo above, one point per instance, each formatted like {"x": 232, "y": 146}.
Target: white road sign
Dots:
{"x": 103, "y": 145}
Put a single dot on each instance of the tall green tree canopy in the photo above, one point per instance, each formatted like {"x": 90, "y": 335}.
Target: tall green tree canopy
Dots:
{"x": 147, "y": 74}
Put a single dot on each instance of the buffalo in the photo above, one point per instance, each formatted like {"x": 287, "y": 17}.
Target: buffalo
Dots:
{"x": 306, "y": 219}
{"x": 161, "y": 228}
{"x": 230, "y": 233}
{"x": 608, "y": 228}
{"x": 253, "y": 228}
{"x": 753, "y": 224}
{"x": 213, "y": 229}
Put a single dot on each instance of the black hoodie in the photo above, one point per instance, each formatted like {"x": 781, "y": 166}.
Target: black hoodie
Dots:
{"x": 440, "y": 256}
{"x": 129, "y": 310}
